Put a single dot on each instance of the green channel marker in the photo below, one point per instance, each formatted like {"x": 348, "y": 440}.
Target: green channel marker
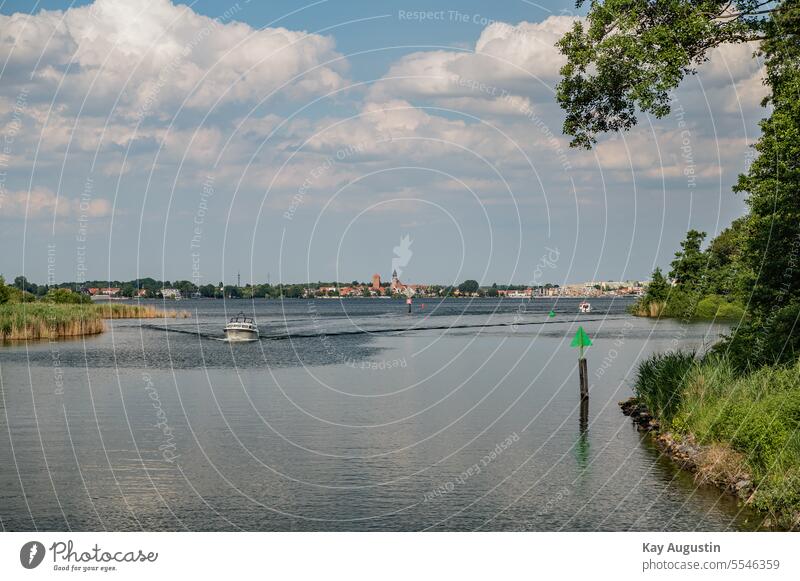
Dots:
{"x": 581, "y": 340}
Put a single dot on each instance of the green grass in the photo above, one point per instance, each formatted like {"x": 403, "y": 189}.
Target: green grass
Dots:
{"x": 659, "y": 379}
{"x": 43, "y": 320}
{"x": 756, "y": 414}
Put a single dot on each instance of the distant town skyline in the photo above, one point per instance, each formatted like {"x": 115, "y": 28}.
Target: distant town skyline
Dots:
{"x": 375, "y": 281}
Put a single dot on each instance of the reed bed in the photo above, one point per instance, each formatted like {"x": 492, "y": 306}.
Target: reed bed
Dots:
{"x": 124, "y": 311}
{"x": 30, "y": 321}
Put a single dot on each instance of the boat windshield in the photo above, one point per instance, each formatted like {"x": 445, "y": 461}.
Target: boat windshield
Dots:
{"x": 241, "y": 318}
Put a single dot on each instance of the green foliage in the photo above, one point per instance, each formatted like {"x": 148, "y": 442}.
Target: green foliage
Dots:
{"x": 660, "y": 379}
{"x": 22, "y": 284}
{"x": 65, "y": 296}
{"x": 758, "y": 424}
{"x": 689, "y": 266}
{"x": 766, "y": 339}
{"x": 772, "y": 245}
{"x": 658, "y": 289}
{"x": 756, "y": 414}
{"x": 13, "y": 295}
{"x": 469, "y": 286}
{"x": 718, "y": 307}
{"x": 726, "y": 273}
{"x": 4, "y": 293}
{"x": 708, "y": 284}
{"x": 629, "y": 55}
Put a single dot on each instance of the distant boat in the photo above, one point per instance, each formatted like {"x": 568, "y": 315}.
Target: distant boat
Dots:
{"x": 585, "y": 307}
{"x": 241, "y": 328}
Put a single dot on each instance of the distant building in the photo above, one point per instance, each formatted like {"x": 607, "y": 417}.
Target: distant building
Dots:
{"x": 396, "y": 285}
{"x": 376, "y": 282}
{"x": 170, "y": 293}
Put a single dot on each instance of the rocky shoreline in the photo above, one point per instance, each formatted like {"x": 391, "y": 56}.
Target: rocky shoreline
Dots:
{"x": 711, "y": 464}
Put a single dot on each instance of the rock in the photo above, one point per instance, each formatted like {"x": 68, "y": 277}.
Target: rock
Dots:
{"x": 743, "y": 484}
{"x": 629, "y": 406}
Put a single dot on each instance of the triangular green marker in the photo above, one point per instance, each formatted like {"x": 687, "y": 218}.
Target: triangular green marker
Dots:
{"x": 551, "y": 314}
{"x": 581, "y": 340}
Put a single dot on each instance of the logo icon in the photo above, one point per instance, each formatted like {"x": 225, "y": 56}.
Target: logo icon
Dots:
{"x": 31, "y": 554}
{"x": 402, "y": 254}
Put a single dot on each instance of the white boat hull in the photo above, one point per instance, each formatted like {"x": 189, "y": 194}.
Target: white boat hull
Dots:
{"x": 241, "y": 335}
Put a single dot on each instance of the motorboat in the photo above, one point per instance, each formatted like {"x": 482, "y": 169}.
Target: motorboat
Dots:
{"x": 241, "y": 328}
{"x": 585, "y": 307}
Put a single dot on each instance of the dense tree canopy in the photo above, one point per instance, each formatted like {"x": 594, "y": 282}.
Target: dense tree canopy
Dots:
{"x": 772, "y": 184}
{"x": 469, "y": 286}
{"x": 625, "y": 60}
{"x": 630, "y": 54}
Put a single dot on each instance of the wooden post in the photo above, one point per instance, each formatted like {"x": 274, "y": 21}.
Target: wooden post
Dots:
{"x": 584, "y": 376}
{"x": 582, "y": 340}
{"x": 584, "y": 421}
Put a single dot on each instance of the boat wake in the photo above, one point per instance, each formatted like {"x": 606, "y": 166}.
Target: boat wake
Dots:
{"x": 379, "y": 331}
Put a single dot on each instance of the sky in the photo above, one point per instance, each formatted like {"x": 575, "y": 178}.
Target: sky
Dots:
{"x": 331, "y": 140}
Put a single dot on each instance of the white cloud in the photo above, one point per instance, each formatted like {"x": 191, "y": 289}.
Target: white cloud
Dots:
{"x": 507, "y": 57}
{"x": 42, "y": 202}
{"x": 152, "y": 54}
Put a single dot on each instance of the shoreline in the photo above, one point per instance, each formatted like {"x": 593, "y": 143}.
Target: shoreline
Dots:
{"x": 715, "y": 464}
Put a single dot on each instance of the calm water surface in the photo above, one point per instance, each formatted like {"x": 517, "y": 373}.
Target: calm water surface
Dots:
{"x": 346, "y": 415}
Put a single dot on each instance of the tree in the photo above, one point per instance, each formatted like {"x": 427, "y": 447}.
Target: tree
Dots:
{"x": 232, "y": 292}
{"x": 772, "y": 240}
{"x": 469, "y": 286}
{"x": 66, "y": 296}
{"x": 4, "y": 291}
{"x": 689, "y": 266}
{"x": 726, "y": 273}
{"x": 294, "y": 291}
{"x": 630, "y": 54}
{"x": 22, "y": 284}
{"x": 658, "y": 289}
{"x": 186, "y": 287}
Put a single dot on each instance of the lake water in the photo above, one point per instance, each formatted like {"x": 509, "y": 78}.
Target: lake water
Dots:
{"x": 346, "y": 415}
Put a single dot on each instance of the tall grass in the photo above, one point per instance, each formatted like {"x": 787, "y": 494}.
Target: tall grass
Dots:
{"x": 659, "y": 382}
{"x": 758, "y": 415}
{"x": 124, "y": 311}
{"x": 752, "y": 418}
{"x": 29, "y": 321}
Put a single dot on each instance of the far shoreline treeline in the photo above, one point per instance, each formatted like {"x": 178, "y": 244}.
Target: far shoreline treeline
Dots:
{"x": 152, "y": 288}
{"x": 62, "y": 313}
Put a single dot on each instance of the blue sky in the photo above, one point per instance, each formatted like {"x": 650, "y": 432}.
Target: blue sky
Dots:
{"x": 304, "y": 141}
